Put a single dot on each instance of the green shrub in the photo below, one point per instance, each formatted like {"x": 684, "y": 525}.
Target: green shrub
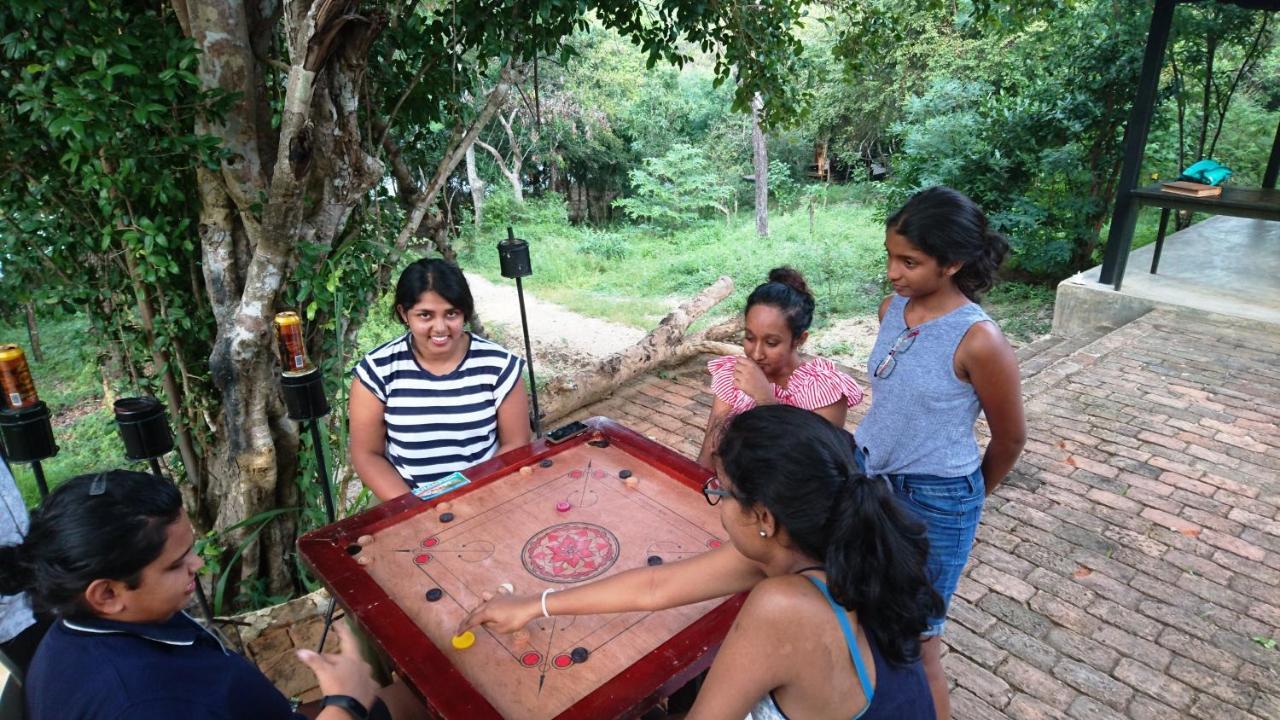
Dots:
{"x": 676, "y": 189}
{"x": 603, "y": 244}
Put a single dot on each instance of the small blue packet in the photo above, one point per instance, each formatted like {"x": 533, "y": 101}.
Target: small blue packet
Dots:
{"x": 1209, "y": 172}
{"x": 449, "y": 483}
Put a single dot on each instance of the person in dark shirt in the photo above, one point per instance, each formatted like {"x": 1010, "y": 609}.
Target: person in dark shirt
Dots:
{"x": 112, "y": 556}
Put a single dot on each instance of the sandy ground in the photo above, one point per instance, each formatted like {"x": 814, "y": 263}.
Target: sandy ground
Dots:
{"x": 847, "y": 341}
{"x": 563, "y": 341}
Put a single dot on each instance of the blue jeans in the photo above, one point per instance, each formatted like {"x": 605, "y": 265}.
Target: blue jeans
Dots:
{"x": 950, "y": 508}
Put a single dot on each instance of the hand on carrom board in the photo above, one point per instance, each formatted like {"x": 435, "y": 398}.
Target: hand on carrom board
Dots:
{"x": 343, "y": 672}
{"x": 504, "y": 614}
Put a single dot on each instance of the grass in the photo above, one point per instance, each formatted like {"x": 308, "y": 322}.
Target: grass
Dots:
{"x": 634, "y": 275}
{"x": 67, "y": 380}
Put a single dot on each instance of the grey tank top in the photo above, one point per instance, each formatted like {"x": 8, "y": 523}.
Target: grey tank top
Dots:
{"x": 921, "y": 417}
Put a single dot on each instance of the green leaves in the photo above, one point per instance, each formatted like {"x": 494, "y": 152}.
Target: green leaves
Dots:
{"x": 675, "y": 189}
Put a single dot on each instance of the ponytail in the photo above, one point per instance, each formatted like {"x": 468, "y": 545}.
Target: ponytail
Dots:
{"x": 949, "y": 227}
{"x": 978, "y": 275}
{"x": 875, "y": 562}
{"x": 873, "y": 550}
{"x": 101, "y": 526}
{"x": 15, "y": 575}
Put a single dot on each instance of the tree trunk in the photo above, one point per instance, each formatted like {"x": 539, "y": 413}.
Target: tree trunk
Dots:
{"x": 476, "y": 185}
{"x": 660, "y": 345}
{"x": 760, "y": 161}
{"x": 33, "y": 331}
{"x": 255, "y": 210}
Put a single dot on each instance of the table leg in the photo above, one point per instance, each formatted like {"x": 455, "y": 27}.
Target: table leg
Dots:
{"x": 1164, "y": 222}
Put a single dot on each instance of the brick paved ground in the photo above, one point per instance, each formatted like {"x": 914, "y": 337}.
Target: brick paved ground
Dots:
{"x": 1127, "y": 566}
{"x": 1130, "y": 561}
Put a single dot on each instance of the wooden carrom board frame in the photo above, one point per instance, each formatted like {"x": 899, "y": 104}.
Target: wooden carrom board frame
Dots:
{"x": 444, "y": 688}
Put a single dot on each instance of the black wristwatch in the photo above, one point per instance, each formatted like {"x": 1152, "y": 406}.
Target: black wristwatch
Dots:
{"x": 357, "y": 709}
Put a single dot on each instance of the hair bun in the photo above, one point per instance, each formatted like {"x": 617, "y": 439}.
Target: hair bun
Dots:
{"x": 790, "y": 277}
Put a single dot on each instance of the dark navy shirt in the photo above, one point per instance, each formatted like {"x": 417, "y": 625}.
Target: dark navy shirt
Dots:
{"x": 95, "y": 669}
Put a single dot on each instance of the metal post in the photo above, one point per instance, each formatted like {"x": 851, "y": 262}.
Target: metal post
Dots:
{"x": 330, "y": 513}
{"x": 1273, "y": 164}
{"x": 528, "y": 353}
{"x": 41, "y": 484}
{"x": 1125, "y": 214}
{"x": 326, "y": 489}
{"x": 201, "y": 598}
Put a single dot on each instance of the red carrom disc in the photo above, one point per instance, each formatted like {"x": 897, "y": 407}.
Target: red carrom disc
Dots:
{"x": 431, "y": 542}
{"x": 713, "y": 544}
{"x": 422, "y": 559}
{"x": 530, "y": 659}
{"x": 562, "y": 661}
{"x": 575, "y": 474}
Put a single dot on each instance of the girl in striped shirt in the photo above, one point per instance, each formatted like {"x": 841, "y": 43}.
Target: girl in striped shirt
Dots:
{"x": 437, "y": 399}
{"x": 776, "y": 321}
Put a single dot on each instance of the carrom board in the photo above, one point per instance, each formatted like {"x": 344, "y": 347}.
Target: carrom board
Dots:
{"x": 506, "y": 527}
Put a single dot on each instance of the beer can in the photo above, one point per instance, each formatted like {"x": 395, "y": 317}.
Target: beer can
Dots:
{"x": 15, "y": 378}
{"x": 293, "y": 351}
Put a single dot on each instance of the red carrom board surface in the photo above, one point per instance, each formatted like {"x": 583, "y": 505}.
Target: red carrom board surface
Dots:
{"x": 507, "y": 526}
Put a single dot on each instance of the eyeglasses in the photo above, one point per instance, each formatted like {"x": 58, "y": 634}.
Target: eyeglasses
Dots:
{"x": 900, "y": 347}
{"x": 712, "y": 491}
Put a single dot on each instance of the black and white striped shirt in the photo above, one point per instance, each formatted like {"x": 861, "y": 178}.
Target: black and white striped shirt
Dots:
{"x": 439, "y": 424}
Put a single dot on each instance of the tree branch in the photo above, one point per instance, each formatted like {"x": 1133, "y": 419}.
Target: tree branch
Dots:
{"x": 453, "y": 155}
{"x": 502, "y": 163}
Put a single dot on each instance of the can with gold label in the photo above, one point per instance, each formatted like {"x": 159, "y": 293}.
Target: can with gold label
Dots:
{"x": 293, "y": 351}
{"x": 15, "y": 379}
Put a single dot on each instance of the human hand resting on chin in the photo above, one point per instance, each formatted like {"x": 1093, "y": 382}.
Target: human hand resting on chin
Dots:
{"x": 750, "y": 379}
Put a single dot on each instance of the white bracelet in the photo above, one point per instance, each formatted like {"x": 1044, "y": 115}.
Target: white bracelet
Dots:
{"x": 546, "y": 614}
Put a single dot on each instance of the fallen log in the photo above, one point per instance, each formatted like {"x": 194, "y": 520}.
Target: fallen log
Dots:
{"x": 663, "y": 344}
{"x": 728, "y": 330}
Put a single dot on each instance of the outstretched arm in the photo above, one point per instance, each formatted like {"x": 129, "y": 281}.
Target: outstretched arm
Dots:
{"x": 713, "y": 574}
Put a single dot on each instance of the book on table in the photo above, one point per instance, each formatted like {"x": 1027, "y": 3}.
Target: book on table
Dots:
{"x": 1193, "y": 189}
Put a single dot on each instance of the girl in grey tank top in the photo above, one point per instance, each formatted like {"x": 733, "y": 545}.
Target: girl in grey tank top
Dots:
{"x": 938, "y": 361}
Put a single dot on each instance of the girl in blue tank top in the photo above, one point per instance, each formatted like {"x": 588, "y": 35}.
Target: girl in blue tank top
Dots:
{"x": 938, "y": 361}
{"x": 835, "y": 568}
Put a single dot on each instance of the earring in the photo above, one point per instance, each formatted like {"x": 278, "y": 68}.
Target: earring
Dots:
{"x": 764, "y": 534}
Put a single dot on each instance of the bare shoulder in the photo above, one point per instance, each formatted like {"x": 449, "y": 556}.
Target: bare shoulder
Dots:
{"x": 884, "y": 306}
{"x": 783, "y": 604}
{"x": 984, "y": 341}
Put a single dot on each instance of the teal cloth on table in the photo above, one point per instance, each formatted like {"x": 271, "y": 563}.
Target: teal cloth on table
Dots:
{"x": 1209, "y": 172}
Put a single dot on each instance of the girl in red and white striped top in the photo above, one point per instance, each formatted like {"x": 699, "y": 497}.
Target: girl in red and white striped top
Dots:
{"x": 777, "y": 320}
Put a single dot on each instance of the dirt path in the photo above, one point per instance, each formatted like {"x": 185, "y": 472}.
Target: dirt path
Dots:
{"x": 562, "y": 339}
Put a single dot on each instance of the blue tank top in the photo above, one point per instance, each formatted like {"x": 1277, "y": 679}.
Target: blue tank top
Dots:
{"x": 901, "y": 692}
{"x": 921, "y": 417}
